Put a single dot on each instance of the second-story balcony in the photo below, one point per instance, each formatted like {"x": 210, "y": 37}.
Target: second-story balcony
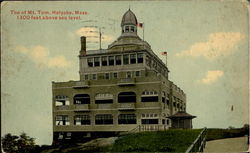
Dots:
{"x": 81, "y": 84}
{"x": 126, "y": 106}
{"x": 81, "y": 107}
{"x": 126, "y": 82}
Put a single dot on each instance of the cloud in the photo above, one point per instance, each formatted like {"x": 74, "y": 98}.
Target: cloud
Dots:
{"x": 211, "y": 77}
{"x": 58, "y": 61}
{"x": 218, "y": 44}
{"x": 40, "y": 56}
{"x": 92, "y": 34}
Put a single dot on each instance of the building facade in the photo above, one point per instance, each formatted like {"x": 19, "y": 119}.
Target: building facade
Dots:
{"x": 120, "y": 88}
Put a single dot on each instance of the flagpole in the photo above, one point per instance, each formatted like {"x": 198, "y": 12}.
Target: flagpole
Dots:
{"x": 100, "y": 38}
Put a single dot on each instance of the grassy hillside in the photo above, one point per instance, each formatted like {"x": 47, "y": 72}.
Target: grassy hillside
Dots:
{"x": 161, "y": 141}
{"x": 173, "y": 140}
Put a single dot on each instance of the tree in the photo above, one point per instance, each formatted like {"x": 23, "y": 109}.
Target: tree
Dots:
{"x": 25, "y": 143}
{"x": 15, "y": 144}
{"x": 9, "y": 143}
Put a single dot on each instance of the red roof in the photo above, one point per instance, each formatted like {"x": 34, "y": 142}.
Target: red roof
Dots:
{"x": 182, "y": 114}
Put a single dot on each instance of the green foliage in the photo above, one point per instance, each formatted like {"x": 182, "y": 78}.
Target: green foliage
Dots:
{"x": 163, "y": 141}
{"x": 15, "y": 144}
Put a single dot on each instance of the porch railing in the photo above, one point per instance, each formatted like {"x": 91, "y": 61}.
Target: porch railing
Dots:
{"x": 199, "y": 143}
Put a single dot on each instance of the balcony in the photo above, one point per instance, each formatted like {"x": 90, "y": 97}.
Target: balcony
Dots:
{"x": 81, "y": 84}
{"x": 63, "y": 107}
{"x": 81, "y": 107}
{"x": 126, "y": 106}
{"x": 126, "y": 82}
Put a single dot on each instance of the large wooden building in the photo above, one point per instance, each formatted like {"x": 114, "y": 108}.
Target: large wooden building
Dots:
{"x": 120, "y": 88}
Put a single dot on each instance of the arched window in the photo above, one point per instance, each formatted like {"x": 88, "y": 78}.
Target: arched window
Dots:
{"x": 127, "y": 119}
{"x": 149, "y": 96}
{"x": 82, "y": 99}
{"x": 104, "y": 98}
{"x": 127, "y": 97}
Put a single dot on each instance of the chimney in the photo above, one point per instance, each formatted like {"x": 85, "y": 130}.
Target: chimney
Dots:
{"x": 83, "y": 46}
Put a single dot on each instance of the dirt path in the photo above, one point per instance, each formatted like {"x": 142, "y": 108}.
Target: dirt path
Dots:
{"x": 227, "y": 145}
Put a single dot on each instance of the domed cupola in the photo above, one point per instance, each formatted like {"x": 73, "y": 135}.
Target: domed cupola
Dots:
{"x": 129, "y": 23}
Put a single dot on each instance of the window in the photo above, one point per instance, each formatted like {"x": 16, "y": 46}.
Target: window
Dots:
{"x": 163, "y": 121}
{"x": 101, "y": 119}
{"x": 90, "y": 62}
{"x": 132, "y": 29}
{"x": 167, "y": 122}
{"x": 111, "y": 60}
{"x": 126, "y": 97}
{"x": 137, "y": 73}
{"x": 129, "y": 75}
{"x": 132, "y": 58}
{"x": 81, "y": 99}
{"x": 62, "y": 100}
{"x": 163, "y": 95}
{"x": 125, "y": 59}
{"x": 82, "y": 120}
{"x": 104, "y": 61}
{"x": 106, "y": 75}
{"x": 86, "y": 77}
{"x": 94, "y": 76}
{"x": 149, "y": 96}
{"x": 127, "y": 119}
{"x": 168, "y": 96}
{"x": 105, "y": 98}
{"x": 149, "y": 121}
{"x": 62, "y": 120}
{"x": 118, "y": 60}
{"x": 115, "y": 75}
{"x": 97, "y": 61}
{"x": 126, "y": 28}
{"x": 140, "y": 58}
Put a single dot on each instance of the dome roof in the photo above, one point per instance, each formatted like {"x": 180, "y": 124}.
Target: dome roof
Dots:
{"x": 129, "y": 18}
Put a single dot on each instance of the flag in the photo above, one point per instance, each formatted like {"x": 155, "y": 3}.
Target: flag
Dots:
{"x": 164, "y": 53}
{"x": 140, "y": 25}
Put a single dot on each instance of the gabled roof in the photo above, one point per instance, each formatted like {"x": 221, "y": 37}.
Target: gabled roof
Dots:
{"x": 181, "y": 114}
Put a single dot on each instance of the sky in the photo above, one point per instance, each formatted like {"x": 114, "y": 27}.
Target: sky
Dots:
{"x": 207, "y": 44}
